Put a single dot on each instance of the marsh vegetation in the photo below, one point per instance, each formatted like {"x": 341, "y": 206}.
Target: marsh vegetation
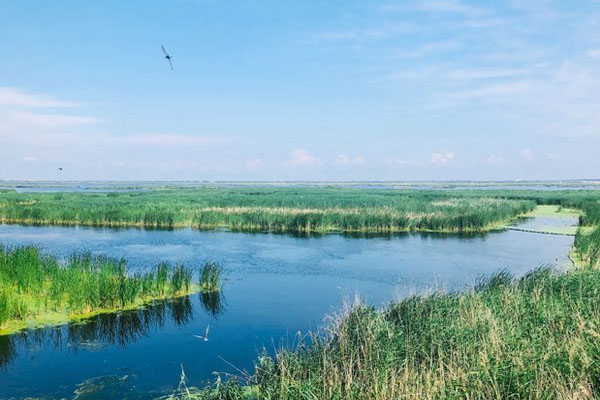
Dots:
{"x": 268, "y": 209}
{"x": 531, "y": 337}
{"x": 210, "y": 278}
{"x": 37, "y": 289}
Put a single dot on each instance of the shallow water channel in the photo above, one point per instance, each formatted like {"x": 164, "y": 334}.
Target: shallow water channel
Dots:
{"x": 276, "y": 286}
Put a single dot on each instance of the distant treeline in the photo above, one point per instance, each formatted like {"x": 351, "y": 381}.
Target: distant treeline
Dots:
{"x": 269, "y": 209}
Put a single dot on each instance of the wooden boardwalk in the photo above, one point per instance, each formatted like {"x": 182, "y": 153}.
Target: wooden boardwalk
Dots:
{"x": 512, "y": 228}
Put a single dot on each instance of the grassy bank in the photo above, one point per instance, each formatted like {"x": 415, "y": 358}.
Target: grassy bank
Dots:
{"x": 36, "y": 290}
{"x": 268, "y": 209}
{"x": 535, "y": 337}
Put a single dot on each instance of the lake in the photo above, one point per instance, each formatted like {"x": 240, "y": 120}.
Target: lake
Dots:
{"x": 275, "y": 287}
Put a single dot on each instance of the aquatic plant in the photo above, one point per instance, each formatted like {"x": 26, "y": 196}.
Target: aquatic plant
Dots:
{"x": 32, "y": 285}
{"x": 276, "y": 209}
{"x": 210, "y": 278}
{"x": 588, "y": 245}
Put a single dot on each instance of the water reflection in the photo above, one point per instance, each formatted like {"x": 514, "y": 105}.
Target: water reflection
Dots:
{"x": 120, "y": 328}
{"x": 213, "y": 303}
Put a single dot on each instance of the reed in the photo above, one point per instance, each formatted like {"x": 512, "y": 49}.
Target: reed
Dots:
{"x": 210, "y": 278}
{"x": 535, "y": 337}
{"x": 269, "y": 209}
{"x": 34, "y": 286}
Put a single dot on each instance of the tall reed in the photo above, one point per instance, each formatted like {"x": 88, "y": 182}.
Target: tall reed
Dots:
{"x": 269, "y": 209}
{"x": 32, "y": 284}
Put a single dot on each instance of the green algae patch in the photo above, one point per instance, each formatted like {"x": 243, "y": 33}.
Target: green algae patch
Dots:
{"x": 551, "y": 211}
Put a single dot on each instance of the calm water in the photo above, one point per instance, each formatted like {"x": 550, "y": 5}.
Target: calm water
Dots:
{"x": 276, "y": 286}
{"x": 133, "y": 186}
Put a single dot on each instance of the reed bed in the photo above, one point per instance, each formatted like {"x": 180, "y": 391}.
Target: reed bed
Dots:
{"x": 34, "y": 287}
{"x": 536, "y": 337}
{"x": 268, "y": 209}
{"x": 210, "y": 278}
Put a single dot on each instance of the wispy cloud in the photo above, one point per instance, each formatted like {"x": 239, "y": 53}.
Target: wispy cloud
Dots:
{"x": 16, "y": 97}
{"x": 432, "y": 48}
{"x": 366, "y": 34}
{"x": 397, "y": 161}
{"x": 594, "y": 53}
{"x": 255, "y": 163}
{"x": 467, "y": 74}
{"x": 442, "y": 158}
{"x": 449, "y": 6}
{"x": 53, "y": 120}
{"x": 302, "y": 158}
{"x": 174, "y": 140}
{"x": 493, "y": 159}
{"x": 345, "y": 160}
{"x": 527, "y": 153}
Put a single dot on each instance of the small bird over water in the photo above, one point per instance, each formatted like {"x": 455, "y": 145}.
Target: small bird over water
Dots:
{"x": 205, "y": 337}
{"x": 167, "y": 56}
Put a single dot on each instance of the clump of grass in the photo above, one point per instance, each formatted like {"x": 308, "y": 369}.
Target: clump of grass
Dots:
{"x": 588, "y": 245}
{"x": 210, "y": 278}
{"x": 32, "y": 285}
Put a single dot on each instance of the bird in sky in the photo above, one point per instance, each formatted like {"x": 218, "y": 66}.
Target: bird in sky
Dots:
{"x": 167, "y": 56}
{"x": 60, "y": 168}
{"x": 205, "y": 337}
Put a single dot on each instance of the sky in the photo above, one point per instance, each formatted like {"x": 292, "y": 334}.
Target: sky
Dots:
{"x": 300, "y": 90}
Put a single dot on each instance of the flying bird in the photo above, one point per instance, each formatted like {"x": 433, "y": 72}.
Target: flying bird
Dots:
{"x": 167, "y": 56}
{"x": 60, "y": 168}
{"x": 205, "y": 337}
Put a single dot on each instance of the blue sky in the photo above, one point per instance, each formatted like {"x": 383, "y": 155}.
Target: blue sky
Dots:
{"x": 300, "y": 90}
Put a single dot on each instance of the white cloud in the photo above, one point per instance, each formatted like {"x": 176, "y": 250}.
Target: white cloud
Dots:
{"x": 493, "y": 159}
{"x": 442, "y": 158}
{"x": 301, "y": 157}
{"x": 449, "y": 6}
{"x": 465, "y": 74}
{"x": 429, "y": 48}
{"x": 343, "y": 159}
{"x": 396, "y": 161}
{"x": 526, "y": 153}
{"x": 594, "y": 53}
{"x": 52, "y": 120}
{"x": 173, "y": 140}
{"x": 254, "y": 163}
{"x": 16, "y": 97}
{"x": 492, "y": 91}
{"x": 374, "y": 33}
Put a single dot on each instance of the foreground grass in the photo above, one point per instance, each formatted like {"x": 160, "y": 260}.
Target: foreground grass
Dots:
{"x": 36, "y": 290}
{"x": 537, "y": 337}
{"x": 268, "y": 209}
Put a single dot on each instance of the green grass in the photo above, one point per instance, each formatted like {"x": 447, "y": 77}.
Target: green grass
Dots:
{"x": 210, "y": 278}
{"x": 269, "y": 209}
{"x": 37, "y": 290}
{"x": 535, "y": 337}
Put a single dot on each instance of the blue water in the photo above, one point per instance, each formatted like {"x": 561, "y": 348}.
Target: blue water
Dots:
{"x": 276, "y": 286}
